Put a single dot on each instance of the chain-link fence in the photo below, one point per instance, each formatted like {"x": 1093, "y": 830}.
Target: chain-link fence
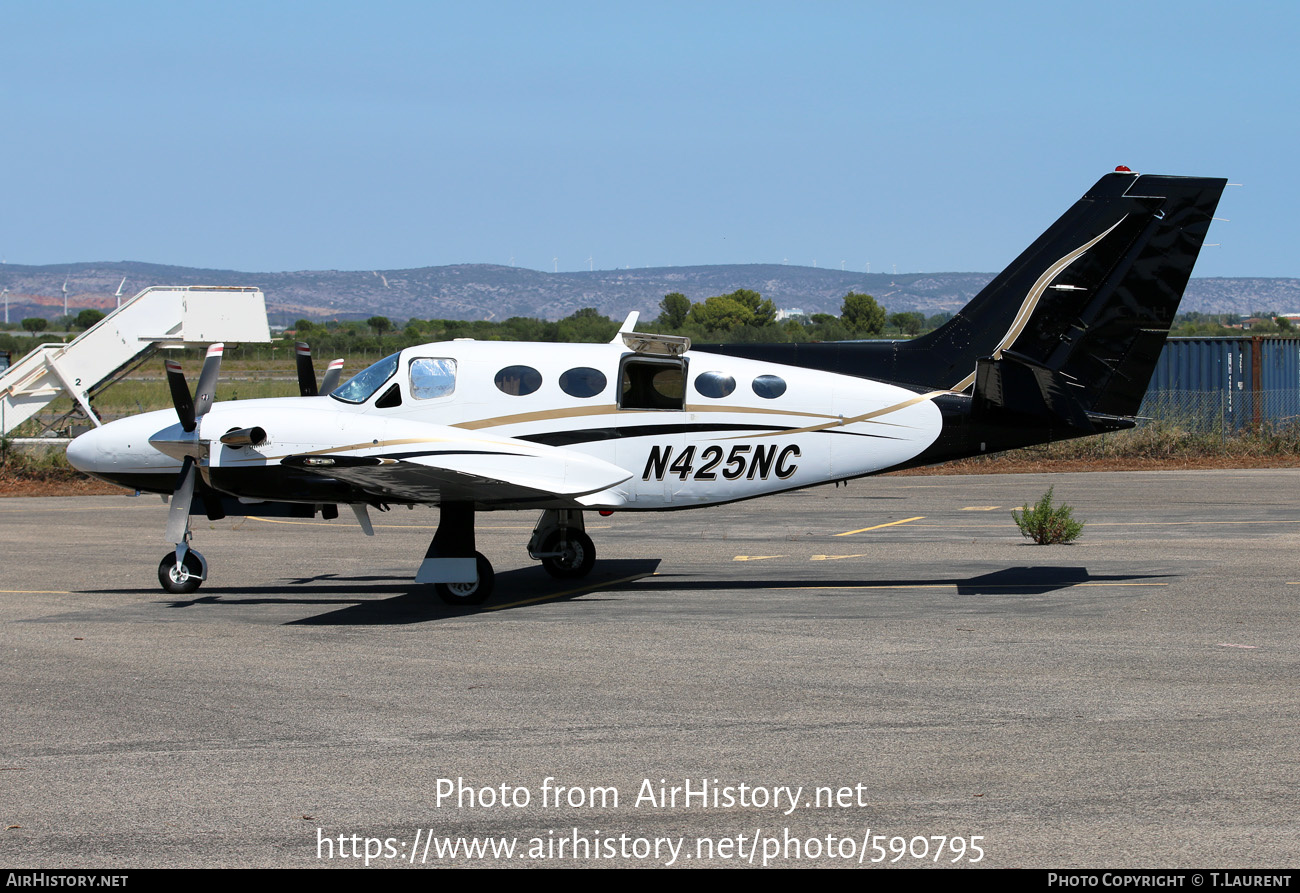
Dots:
{"x": 1227, "y": 411}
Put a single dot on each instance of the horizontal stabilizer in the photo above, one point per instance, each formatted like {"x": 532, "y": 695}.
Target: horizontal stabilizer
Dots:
{"x": 1016, "y": 385}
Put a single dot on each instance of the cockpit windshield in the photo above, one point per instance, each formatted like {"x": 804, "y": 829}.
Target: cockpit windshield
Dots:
{"x": 364, "y": 384}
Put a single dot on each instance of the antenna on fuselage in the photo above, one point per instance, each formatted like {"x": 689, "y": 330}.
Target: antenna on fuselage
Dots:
{"x": 629, "y": 325}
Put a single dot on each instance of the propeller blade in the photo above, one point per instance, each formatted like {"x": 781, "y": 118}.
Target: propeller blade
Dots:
{"x": 306, "y": 372}
{"x": 178, "y": 515}
{"x": 180, "y": 394}
{"x": 207, "y": 389}
{"x": 332, "y": 376}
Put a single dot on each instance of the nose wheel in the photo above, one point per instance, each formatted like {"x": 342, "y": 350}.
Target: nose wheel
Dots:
{"x": 184, "y": 574}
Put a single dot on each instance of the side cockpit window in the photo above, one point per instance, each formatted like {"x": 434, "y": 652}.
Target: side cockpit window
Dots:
{"x": 432, "y": 377}
{"x": 652, "y": 383}
{"x": 363, "y": 385}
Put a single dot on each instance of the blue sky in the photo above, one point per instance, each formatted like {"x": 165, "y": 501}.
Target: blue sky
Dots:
{"x": 924, "y": 137}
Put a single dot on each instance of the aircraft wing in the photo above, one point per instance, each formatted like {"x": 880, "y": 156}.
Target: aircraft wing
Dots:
{"x": 504, "y": 472}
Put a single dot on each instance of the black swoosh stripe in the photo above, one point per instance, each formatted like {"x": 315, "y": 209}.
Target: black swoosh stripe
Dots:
{"x": 590, "y": 435}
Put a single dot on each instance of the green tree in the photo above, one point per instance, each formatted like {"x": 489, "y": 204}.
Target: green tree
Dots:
{"x": 526, "y": 328}
{"x": 35, "y": 324}
{"x": 586, "y": 325}
{"x": 673, "y": 310}
{"x": 862, "y": 315}
{"x": 379, "y": 324}
{"x": 937, "y": 319}
{"x": 764, "y": 311}
{"x": 907, "y": 322}
{"x": 721, "y": 313}
{"x": 88, "y": 317}
{"x": 741, "y": 307}
{"x": 303, "y": 326}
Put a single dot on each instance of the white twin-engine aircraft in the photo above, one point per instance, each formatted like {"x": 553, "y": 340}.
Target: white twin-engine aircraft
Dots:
{"x": 1061, "y": 344}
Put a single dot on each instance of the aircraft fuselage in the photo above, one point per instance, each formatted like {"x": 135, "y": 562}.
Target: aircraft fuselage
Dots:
{"x": 687, "y": 431}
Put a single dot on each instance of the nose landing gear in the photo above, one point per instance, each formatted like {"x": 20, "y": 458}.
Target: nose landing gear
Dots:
{"x": 182, "y": 571}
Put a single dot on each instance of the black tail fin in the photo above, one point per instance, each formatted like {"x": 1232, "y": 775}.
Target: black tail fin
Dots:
{"x": 1082, "y": 313}
{"x": 1091, "y": 300}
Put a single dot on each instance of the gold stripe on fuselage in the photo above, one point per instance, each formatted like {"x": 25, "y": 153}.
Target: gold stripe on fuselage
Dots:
{"x": 839, "y": 421}
{"x": 610, "y": 409}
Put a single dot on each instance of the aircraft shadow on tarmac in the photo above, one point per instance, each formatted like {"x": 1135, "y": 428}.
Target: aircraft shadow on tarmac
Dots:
{"x": 358, "y": 605}
{"x": 1010, "y": 581}
{"x": 409, "y": 603}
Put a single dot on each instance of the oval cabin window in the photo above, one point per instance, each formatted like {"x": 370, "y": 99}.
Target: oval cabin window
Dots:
{"x": 715, "y": 384}
{"x": 583, "y": 382}
{"x": 517, "y": 381}
{"x": 769, "y": 387}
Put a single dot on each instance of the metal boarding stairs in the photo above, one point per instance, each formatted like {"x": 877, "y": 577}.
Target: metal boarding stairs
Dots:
{"x": 159, "y": 316}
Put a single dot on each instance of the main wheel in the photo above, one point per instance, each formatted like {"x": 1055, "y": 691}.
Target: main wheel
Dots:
{"x": 187, "y": 578}
{"x": 469, "y": 593}
{"x": 576, "y": 558}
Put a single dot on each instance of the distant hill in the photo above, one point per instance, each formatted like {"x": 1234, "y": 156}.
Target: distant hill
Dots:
{"x": 487, "y": 291}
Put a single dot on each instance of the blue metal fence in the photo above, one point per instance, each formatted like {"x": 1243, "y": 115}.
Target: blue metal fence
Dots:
{"x": 1226, "y": 384}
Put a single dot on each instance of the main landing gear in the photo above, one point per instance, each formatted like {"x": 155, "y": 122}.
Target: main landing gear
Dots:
{"x": 561, "y": 543}
{"x": 462, "y": 576}
{"x": 459, "y": 574}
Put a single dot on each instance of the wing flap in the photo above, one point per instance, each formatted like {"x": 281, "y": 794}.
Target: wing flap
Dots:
{"x": 496, "y": 474}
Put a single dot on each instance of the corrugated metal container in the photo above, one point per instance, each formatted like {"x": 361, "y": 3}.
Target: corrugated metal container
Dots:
{"x": 1226, "y": 383}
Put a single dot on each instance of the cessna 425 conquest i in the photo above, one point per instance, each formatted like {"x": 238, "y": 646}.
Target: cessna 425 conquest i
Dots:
{"x": 1061, "y": 344}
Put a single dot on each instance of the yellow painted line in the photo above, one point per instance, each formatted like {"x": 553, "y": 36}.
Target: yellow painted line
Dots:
{"x": 1117, "y": 584}
{"x": 957, "y": 584}
{"x": 981, "y": 508}
{"x": 879, "y": 526}
{"x": 1091, "y": 524}
{"x": 341, "y": 521}
{"x": 835, "y": 557}
{"x": 890, "y": 586}
{"x": 755, "y": 557}
{"x": 567, "y": 593}
{"x": 86, "y": 508}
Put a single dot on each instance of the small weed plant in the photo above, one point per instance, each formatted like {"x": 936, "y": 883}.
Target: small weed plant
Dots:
{"x": 1047, "y": 524}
